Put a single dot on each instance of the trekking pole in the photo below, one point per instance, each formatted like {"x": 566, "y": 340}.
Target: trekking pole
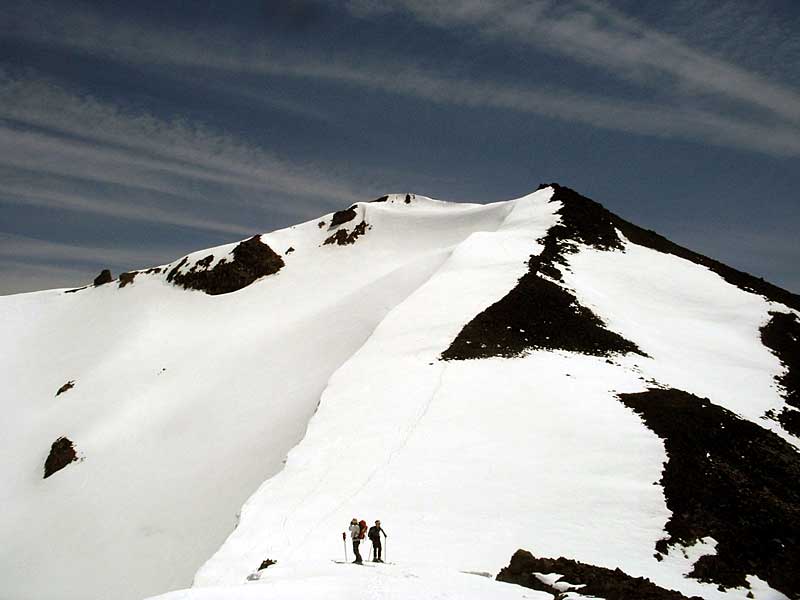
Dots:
{"x": 344, "y": 543}
{"x": 386, "y": 546}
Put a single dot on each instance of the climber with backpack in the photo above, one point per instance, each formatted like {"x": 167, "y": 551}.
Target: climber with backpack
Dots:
{"x": 357, "y": 534}
{"x": 375, "y": 537}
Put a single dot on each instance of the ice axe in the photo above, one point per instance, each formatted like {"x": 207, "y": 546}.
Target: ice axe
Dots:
{"x": 344, "y": 543}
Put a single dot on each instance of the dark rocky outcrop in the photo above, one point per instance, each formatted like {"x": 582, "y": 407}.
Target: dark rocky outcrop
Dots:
{"x": 289, "y": 250}
{"x": 66, "y": 387}
{"x": 62, "y": 452}
{"x": 252, "y": 259}
{"x": 539, "y": 313}
{"x": 344, "y": 238}
{"x": 126, "y": 278}
{"x": 381, "y": 199}
{"x": 729, "y": 479}
{"x": 267, "y": 563}
{"x": 595, "y": 582}
{"x": 342, "y": 216}
{"x": 536, "y": 314}
{"x": 103, "y": 278}
{"x": 782, "y": 336}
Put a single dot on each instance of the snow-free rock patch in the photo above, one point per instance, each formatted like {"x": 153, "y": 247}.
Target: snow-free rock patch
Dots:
{"x": 126, "y": 278}
{"x": 731, "y": 480}
{"x": 62, "y": 452}
{"x": 252, "y": 259}
{"x": 342, "y": 237}
{"x": 343, "y": 216}
{"x": 566, "y": 578}
{"x": 782, "y": 336}
{"x": 66, "y": 387}
{"x": 103, "y": 278}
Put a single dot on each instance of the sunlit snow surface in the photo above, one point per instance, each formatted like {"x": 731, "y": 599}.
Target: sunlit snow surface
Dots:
{"x": 185, "y": 403}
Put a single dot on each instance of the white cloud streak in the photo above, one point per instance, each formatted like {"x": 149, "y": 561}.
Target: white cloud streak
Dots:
{"x": 584, "y": 30}
{"x": 593, "y": 33}
{"x": 142, "y": 140}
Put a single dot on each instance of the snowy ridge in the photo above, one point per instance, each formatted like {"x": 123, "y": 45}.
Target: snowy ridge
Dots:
{"x": 186, "y": 402}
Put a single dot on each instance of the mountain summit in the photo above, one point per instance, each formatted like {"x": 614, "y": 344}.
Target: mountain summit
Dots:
{"x": 537, "y": 375}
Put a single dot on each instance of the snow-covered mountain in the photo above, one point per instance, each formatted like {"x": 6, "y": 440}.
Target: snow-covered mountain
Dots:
{"x": 535, "y": 374}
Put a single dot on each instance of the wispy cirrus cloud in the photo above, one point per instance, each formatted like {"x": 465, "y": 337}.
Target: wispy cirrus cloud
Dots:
{"x": 583, "y": 30}
{"x": 594, "y": 33}
{"x": 82, "y": 125}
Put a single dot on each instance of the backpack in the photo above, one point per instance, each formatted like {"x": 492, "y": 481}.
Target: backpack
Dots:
{"x": 362, "y": 529}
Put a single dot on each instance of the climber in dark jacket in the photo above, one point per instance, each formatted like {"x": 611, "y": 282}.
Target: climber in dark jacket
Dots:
{"x": 374, "y": 535}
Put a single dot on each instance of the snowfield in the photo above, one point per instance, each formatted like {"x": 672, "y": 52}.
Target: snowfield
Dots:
{"x": 216, "y": 431}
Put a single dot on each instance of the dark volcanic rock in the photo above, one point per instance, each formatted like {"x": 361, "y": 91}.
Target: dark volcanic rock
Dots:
{"x": 782, "y": 336}
{"x": 126, "y": 278}
{"x": 381, "y": 199}
{"x": 597, "y": 582}
{"x": 62, "y": 452}
{"x": 540, "y": 314}
{"x": 343, "y": 238}
{"x": 66, "y": 387}
{"x": 729, "y": 479}
{"x": 267, "y": 563}
{"x": 252, "y": 259}
{"x": 103, "y": 278}
{"x": 536, "y": 314}
{"x": 343, "y": 216}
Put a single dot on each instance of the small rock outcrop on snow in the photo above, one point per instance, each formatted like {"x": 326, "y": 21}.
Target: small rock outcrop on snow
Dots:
{"x": 62, "y": 452}
{"x": 565, "y": 578}
{"x": 103, "y": 278}
{"x": 126, "y": 278}
{"x": 342, "y": 237}
{"x": 66, "y": 387}
{"x": 252, "y": 259}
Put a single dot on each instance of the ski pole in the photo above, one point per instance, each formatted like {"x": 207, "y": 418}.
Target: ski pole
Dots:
{"x": 386, "y": 546}
{"x": 344, "y": 543}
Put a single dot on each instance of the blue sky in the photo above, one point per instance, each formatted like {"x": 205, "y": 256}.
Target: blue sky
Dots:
{"x": 133, "y": 132}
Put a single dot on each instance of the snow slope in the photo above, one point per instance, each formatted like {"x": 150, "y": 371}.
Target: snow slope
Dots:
{"x": 184, "y": 402}
{"x": 336, "y": 359}
{"x": 470, "y": 460}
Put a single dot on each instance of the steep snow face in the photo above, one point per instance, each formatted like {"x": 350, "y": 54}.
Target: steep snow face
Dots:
{"x": 465, "y": 461}
{"x": 182, "y": 403}
{"x": 701, "y": 333}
